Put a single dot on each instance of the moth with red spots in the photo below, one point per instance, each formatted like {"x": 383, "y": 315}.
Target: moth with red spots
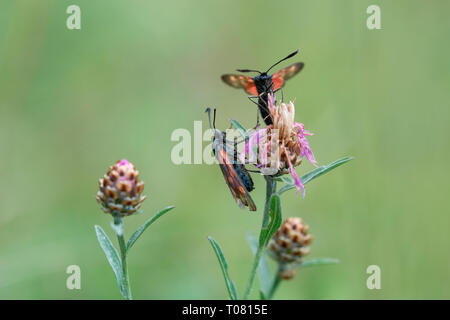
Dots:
{"x": 236, "y": 175}
{"x": 264, "y": 83}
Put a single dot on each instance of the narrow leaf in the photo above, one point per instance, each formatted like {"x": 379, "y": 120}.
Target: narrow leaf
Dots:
{"x": 224, "y": 266}
{"x": 262, "y": 295}
{"x": 316, "y": 173}
{"x": 112, "y": 256}
{"x": 318, "y": 262}
{"x": 240, "y": 128}
{"x": 264, "y": 275}
{"x": 275, "y": 220}
{"x": 285, "y": 179}
{"x": 146, "y": 224}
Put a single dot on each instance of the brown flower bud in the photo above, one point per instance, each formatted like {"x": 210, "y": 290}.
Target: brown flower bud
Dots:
{"x": 120, "y": 191}
{"x": 289, "y": 244}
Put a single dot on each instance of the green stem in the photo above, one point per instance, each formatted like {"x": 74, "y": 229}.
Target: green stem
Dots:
{"x": 253, "y": 272}
{"x": 271, "y": 186}
{"x": 123, "y": 256}
{"x": 275, "y": 284}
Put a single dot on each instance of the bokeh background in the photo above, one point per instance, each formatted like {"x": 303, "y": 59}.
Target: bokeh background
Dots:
{"x": 72, "y": 102}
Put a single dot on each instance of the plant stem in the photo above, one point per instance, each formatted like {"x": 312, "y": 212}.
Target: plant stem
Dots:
{"x": 253, "y": 272}
{"x": 271, "y": 186}
{"x": 123, "y": 256}
{"x": 275, "y": 283}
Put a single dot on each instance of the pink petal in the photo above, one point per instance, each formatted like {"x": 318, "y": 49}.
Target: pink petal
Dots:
{"x": 297, "y": 180}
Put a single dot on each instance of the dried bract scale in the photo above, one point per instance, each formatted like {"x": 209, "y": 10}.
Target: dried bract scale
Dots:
{"x": 120, "y": 191}
{"x": 289, "y": 245}
{"x": 287, "y": 274}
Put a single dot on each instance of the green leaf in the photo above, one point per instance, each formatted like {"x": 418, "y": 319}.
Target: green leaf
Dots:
{"x": 274, "y": 223}
{"x": 262, "y": 295}
{"x": 146, "y": 224}
{"x": 264, "y": 274}
{"x": 315, "y": 173}
{"x": 112, "y": 256}
{"x": 286, "y": 179}
{"x": 318, "y": 262}
{"x": 240, "y": 128}
{"x": 224, "y": 266}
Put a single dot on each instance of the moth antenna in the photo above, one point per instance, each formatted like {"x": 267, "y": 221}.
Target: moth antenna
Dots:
{"x": 208, "y": 110}
{"x": 248, "y": 70}
{"x": 289, "y": 56}
{"x": 214, "y": 119}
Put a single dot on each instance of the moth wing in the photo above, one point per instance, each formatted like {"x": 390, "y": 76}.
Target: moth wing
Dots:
{"x": 240, "y": 82}
{"x": 236, "y": 186}
{"x": 284, "y": 74}
{"x": 278, "y": 82}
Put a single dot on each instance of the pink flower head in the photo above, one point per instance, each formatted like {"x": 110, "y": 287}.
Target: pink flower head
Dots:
{"x": 281, "y": 146}
{"x": 120, "y": 190}
{"x": 123, "y": 162}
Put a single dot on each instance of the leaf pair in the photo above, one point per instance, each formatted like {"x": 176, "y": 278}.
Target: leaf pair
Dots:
{"x": 273, "y": 225}
{"x": 111, "y": 253}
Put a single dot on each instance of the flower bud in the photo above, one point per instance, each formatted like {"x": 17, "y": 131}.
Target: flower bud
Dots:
{"x": 120, "y": 191}
{"x": 289, "y": 244}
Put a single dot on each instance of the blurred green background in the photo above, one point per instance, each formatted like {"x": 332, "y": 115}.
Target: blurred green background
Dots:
{"x": 72, "y": 102}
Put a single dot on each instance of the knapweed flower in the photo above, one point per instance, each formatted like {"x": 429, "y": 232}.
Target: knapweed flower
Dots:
{"x": 289, "y": 244}
{"x": 120, "y": 191}
{"x": 281, "y": 146}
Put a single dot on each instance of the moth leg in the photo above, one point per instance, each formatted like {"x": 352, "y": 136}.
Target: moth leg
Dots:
{"x": 229, "y": 142}
{"x": 232, "y": 149}
{"x": 253, "y": 97}
{"x": 282, "y": 93}
{"x": 257, "y": 110}
{"x": 257, "y": 118}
